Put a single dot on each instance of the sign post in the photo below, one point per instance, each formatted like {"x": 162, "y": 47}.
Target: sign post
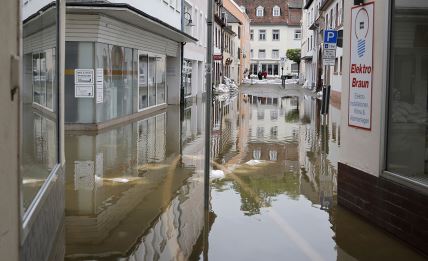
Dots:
{"x": 361, "y": 67}
{"x": 330, "y": 45}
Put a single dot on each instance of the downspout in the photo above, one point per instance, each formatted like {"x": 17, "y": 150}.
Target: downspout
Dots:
{"x": 181, "y": 74}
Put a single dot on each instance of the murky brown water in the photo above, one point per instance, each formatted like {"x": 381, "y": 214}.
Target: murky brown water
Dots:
{"x": 136, "y": 192}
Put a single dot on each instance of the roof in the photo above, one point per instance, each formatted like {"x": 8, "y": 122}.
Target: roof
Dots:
{"x": 290, "y": 14}
{"x": 133, "y": 16}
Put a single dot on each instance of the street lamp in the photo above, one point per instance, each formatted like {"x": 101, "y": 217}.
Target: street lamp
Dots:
{"x": 189, "y": 21}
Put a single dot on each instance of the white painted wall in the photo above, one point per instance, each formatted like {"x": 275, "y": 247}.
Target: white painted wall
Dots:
{"x": 367, "y": 153}
{"x": 168, "y": 11}
{"x": 196, "y": 52}
{"x": 286, "y": 41}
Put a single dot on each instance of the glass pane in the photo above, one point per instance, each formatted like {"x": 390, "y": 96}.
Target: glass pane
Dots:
{"x": 36, "y": 79}
{"x": 50, "y": 70}
{"x": 42, "y": 79}
{"x": 78, "y": 55}
{"x": 160, "y": 80}
{"x": 102, "y": 61}
{"x": 152, "y": 81}
{"x": 39, "y": 139}
{"x": 142, "y": 81}
{"x": 408, "y": 92}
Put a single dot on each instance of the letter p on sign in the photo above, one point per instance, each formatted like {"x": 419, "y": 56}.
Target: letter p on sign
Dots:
{"x": 330, "y": 36}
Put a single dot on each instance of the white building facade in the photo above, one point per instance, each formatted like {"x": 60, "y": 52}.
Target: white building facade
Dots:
{"x": 269, "y": 45}
{"x": 274, "y": 29}
{"x": 194, "y": 24}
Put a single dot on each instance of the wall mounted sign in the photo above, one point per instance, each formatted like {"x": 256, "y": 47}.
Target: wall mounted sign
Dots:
{"x": 217, "y": 57}
{"x": 361, "y": 66}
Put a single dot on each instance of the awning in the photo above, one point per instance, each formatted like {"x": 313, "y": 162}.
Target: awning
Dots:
{"x": 133, "y": 16}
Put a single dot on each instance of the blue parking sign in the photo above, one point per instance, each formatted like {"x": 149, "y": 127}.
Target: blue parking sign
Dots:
{"x": 330, "y": 36}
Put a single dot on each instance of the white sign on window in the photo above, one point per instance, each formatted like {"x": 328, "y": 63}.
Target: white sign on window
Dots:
{"x": 84, "y": 91}
{"x": 99, "y": 83}
{"x": 361, "y": 67}
{"x": 84, "y": 83}
{"x": 83, "y": 76}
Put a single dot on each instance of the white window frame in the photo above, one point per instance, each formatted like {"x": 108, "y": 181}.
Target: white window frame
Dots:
{"x": 277, "y": 52}
{"x": 276, "y": 11}
{"x": 261, "y": 51}
{"x": 260, "y": 11}
{"x": 299, "y": 33}
{"x": 150, "y": 54}
{"x": 264, "y": 35}
{"x": 273, "y": 33}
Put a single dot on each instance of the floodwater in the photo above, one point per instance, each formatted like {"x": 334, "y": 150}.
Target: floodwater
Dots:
{"x": 135, "y": 192}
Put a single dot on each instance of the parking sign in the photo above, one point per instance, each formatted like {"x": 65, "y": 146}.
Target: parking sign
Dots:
{"x": 330, "y": 37}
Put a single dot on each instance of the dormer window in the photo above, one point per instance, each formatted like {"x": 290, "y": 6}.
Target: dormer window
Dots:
{"x": 259, "y": 11}
{"x": 276, "y": 11}
{"x": 242, "y": 8}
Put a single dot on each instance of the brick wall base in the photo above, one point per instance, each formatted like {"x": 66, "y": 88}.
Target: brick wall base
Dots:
{"x": 396, "y": 208}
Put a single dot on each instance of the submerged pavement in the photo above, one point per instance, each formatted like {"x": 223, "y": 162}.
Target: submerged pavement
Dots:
{"x": 135, "y": 192}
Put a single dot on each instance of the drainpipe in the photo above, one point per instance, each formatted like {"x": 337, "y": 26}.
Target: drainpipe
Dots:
{"x": 181, "y": 74}
{"x": 207, "y": 155}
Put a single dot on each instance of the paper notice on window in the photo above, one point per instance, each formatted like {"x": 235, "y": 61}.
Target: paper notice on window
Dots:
{"x": 99, "y": 84}
{"x": 84, "y": 91}
{"x": 83, "y": 76}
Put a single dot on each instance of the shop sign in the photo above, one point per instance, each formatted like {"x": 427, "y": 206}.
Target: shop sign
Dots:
{"x": 361, "y": 66}
{"x": 217, "y": 57}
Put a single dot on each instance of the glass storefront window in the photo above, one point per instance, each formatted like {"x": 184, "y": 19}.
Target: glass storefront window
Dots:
{"x": 143, "y": 99}
{"x": 187, "y": 74}
{"x": 39, "y": 113}
{"x": 407, "y": 149}
{"x": 152, "y": 81}
{"x": 160, "y": 80}
{"x": 78, "y": 55}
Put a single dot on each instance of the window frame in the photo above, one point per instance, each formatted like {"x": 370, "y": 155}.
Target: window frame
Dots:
{"x": 264, "y": 34}
{"x": 298, "y": 32}
{"x": 386, "y": 83}
{"x": 261, "y": 10}
{"x": 276, "y": 11}
{"x": 276, "y": 31}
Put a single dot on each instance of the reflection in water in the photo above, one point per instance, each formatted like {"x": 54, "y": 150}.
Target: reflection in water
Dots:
{"x": 278, "y": 200}
{"x": 130, "y": 193}
{"x": 39, "y": 151}
{"x": 136, "y": 192}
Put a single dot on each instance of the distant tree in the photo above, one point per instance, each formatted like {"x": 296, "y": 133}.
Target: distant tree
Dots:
{"x": 294, "y": 55}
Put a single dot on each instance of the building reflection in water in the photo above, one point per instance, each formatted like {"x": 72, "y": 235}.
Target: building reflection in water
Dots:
{"x": 131, "y": 193}
{"x": 280, "y": 157}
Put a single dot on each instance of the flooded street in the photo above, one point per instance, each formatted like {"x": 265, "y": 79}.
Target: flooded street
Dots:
{"x": 135, "y": 192}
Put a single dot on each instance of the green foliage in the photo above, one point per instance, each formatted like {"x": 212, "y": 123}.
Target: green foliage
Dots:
{"x": 294, "y": 55}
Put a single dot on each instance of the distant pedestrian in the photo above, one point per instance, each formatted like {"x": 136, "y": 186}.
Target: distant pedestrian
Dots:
{"x": 264, "y": 74}
{"x": 259, "y": 74}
